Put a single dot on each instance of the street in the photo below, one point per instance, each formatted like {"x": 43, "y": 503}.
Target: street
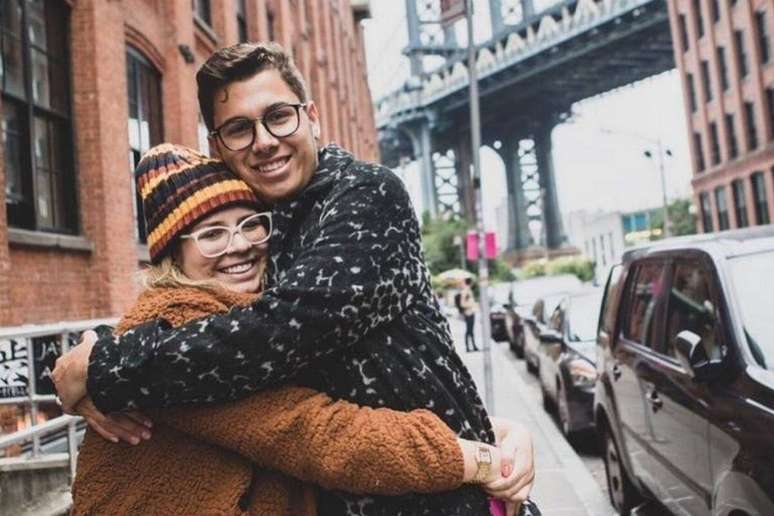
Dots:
{"x": 567, "y": 482}
{"x": 570, "y": 479}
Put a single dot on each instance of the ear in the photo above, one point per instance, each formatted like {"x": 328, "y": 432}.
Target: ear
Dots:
{"x": 314, "y": 118}
{"x": 214, "y": 146}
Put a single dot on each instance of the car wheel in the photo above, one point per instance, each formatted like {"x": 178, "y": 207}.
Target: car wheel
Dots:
{"x": 623, "y": 494}
{"x": 531, "y": 368}
{"x": 563, "y": 410}
{"x": 548, "y": 404}
{"x": 519, "y": 347}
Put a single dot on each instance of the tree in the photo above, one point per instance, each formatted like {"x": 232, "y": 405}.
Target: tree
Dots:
{"x": 683, "y": 222}
{"x": 442, "y": 253}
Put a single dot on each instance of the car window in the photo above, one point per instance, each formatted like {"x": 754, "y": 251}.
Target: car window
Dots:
{"x": 691, "y": 307}
{"x": 607, "y": 311}
{"x": 556, "y": 322}
{"x": 752, "y": 275}
{"x": 643, "y": 295}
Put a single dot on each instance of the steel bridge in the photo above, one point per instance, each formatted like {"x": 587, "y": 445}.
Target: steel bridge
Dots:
{"x": 531, "y": 71}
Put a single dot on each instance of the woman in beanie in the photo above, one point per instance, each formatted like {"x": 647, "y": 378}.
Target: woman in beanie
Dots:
{"x": 208, "y": 238}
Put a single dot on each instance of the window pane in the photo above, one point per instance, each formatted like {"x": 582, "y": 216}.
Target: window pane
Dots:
{"x": 12, "y": 142}
{"x": 691, "y": 308}
{"x": 643, "y": 298}
{"x": 11, "y": 17}
{"x": 40, "y": 79}
{"x": 12, "y": 67}
{"x": 36, "y": 20}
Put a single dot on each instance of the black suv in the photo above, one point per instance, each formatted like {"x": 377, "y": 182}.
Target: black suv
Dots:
{"x": 684, "y": 402}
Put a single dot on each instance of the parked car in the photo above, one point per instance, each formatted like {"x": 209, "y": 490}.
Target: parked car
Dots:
{"x": 566, "y": 357}
{"x": 684, "y": 403}
{"x": 534, "y": 325}
{"x": 505, "y": 322}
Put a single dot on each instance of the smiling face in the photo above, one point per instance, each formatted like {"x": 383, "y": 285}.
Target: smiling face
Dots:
{"x": 275, "y": 168}
{"x": 239, "y": 269}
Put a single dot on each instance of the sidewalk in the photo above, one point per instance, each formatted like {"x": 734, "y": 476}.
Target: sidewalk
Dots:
{"x": 563, "y": 485}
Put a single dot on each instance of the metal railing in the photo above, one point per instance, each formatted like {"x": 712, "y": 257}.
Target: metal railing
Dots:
{"x": 20, "y": 352}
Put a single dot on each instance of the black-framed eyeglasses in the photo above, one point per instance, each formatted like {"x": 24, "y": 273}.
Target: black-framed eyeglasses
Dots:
{"x": 280, "y": 122}
{"x": 214, "y": 241}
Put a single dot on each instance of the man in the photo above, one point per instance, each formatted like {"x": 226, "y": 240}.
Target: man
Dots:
{"x": 468, "y": 306}
{"x": 348, "y": 307}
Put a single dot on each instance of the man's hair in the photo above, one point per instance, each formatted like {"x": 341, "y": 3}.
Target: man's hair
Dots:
{"x": 239, "y": 62}
{"x": 468, "y": 281}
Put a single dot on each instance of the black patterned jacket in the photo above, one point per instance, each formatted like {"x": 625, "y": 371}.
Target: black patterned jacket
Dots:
{"x": 348, "y": 310}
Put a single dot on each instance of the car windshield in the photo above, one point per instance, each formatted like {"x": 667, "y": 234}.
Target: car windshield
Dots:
{"x": 584, "y": 315}
{"x": 756, "y": 297}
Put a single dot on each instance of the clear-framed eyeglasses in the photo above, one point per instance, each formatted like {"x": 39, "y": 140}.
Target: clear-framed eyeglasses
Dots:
{"x": 214, "y": 241}
{"x": 239, "y": 133}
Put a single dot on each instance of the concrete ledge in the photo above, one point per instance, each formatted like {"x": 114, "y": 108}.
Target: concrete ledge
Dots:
{"x": 49, "y": 240}
{"x": 53, "y": 460}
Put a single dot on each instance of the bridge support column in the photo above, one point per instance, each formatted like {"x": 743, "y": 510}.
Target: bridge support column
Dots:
{"x": 422, "y": 144}
{"x": 518, "y": 228}
{"x": 549, "y": 199}
{"x": 463, "y": 163}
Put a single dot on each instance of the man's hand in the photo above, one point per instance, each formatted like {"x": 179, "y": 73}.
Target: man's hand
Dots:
{"x": 69, "y": 374}
{"x": 130, "y": 427}
{"x": 518, "y": 467}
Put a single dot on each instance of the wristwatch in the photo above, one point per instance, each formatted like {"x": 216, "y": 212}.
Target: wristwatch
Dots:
{"x": 484, "y": 463}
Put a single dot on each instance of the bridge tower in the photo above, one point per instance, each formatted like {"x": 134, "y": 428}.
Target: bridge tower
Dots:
{"x": 446, "y": 156}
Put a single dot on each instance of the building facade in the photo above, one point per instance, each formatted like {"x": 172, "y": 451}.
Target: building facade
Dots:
{"x": 723, "y": 49}
{"x": 89, "y": 85}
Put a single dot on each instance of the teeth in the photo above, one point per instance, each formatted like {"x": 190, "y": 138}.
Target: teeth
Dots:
{"x": 237, "y": 269}
{"x": 274, "y": 165}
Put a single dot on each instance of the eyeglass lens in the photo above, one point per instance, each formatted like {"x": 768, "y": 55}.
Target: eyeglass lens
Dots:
{"x": 281, "y": 122}
{"x": 214, "y": 241}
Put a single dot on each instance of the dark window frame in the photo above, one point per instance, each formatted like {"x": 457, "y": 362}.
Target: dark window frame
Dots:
{"x": 752, "y": 129}
{"x": 698, "y": 19}
{"x": 742, "y": 55}
{"x": 243, "y": 33}
{"x": 47, "y": 195}
{"x": 136, "y": 64}
{"x": 740, "y": 203}
{"x": 683, "y": 24}
{"x": 202, "y": 10}
{"x": 725, "y": 83}
{"x": 762, "y": 33}
{"x": 706, "y": 80}
{"x": 699, "y": 149}
{"x": 733, "y": 143}
{"x": 693, "y": 103}
{"x": 721, "y": 207}
{"x": 705, "y": 211}
{"x": 714, "y": 143}
{"x": 760, "y": 202}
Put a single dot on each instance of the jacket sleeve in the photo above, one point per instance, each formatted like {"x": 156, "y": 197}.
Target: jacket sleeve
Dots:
{"x": 360, "y": 268}
{"x": 334, "y": 444}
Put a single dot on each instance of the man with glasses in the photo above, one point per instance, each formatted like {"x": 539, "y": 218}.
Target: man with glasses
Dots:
{"x": 348, "y": 307}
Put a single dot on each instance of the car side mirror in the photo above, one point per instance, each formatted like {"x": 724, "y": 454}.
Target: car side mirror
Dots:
{"x": 692, "y": 355}
{"x": 551, "y": 337}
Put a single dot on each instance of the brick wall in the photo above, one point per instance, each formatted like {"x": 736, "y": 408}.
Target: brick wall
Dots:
{"x": 41, "y": 282}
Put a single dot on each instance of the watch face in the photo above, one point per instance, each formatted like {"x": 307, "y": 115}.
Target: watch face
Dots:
{"x": 484, "y": 455}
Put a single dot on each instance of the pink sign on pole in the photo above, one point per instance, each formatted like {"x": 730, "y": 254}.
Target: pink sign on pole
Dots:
{"x": 490, "y": 242}
{"x": 472, "y": 246}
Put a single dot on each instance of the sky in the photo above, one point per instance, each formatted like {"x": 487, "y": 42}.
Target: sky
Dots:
{"x": 598, "y": 153}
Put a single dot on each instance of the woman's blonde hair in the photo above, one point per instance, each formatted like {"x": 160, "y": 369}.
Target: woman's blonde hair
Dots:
{"x": 166, "y": 274}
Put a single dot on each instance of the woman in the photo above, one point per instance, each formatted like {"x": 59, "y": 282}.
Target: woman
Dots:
{"x": 207, "y": 242}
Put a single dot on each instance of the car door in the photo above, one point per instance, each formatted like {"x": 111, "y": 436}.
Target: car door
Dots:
{"x": 642, "y": 310}
{"x": 678, "y": 405}
{"x": 549, "y": 349}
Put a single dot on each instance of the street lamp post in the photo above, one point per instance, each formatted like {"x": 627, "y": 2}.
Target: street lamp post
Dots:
{"x": 483, "y": 267}
{"x": 661, "y": 152}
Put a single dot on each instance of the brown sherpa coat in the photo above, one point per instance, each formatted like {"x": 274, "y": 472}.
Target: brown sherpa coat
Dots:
{"x": 205, "y": 460}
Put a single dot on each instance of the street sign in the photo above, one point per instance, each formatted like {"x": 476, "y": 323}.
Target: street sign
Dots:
{"x": 451, "y": 11}
{"x": 490, "y": 245}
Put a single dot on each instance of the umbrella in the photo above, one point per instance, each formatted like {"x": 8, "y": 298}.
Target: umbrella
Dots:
{"x": 454, "y": 275}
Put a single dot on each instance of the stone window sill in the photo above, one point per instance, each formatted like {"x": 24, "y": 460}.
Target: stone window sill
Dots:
{"x": 24, "y": 237}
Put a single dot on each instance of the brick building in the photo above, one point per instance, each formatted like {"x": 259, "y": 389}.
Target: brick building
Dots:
{"x": 724, "y": 52}
{"x": 88, "y": 85}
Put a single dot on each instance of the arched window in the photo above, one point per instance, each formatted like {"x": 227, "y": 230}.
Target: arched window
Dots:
{"x": 36, "y": 127}
{"x": 146, "y": 127}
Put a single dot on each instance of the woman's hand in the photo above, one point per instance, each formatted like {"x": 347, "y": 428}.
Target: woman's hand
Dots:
{"x": 470, "y": 450}
{"x": 130, "y": 427}
{"x": 517, "y": 465}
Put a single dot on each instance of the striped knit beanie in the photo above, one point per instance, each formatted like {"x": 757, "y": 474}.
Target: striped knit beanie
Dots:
{"x": 179, "y": 186}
